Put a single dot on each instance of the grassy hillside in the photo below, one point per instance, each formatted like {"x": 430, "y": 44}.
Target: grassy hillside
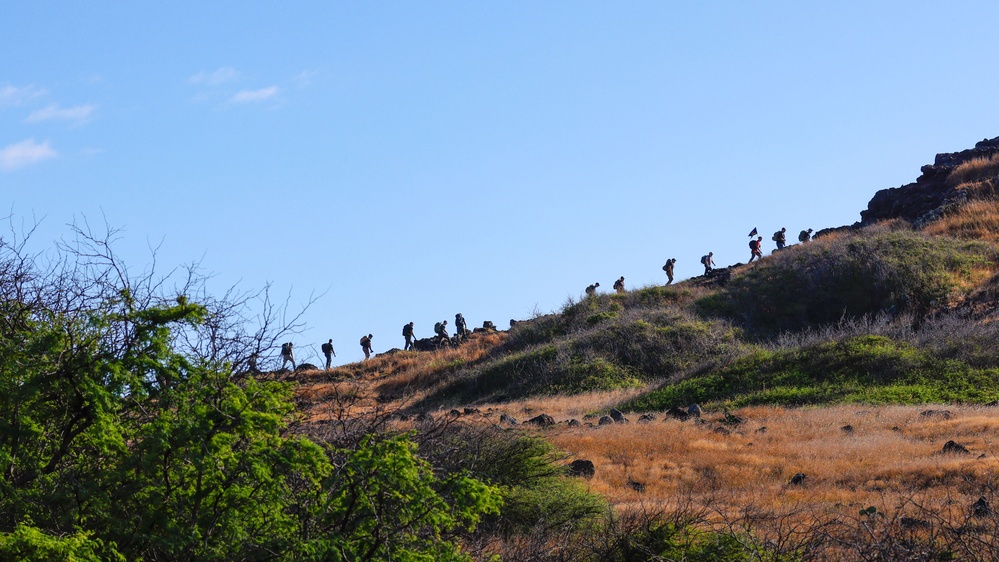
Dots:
{"x": 894, "y": 316}
{"x": 796, "y": 328}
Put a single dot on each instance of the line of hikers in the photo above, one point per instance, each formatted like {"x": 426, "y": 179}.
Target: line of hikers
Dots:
{"x": 440, "y": 331}
{"x": 461, "y": 328}
{"x": 707, "y": 260}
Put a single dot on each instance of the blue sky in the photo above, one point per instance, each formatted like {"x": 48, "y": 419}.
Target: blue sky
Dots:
{"x": 411, "y": 160}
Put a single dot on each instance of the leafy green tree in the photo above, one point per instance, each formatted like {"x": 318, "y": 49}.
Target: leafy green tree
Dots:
{"x": 129, "y": 430}
{"x": 384, "y": 504}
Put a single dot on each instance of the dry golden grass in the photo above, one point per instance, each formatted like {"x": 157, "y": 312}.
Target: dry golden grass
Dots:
{"x": 974, "y": 170}
{"x": 387, "y": 380}
{"x": 891, "y": 456}
{"x": 746, "y": 465}
{"x": 975, "y": 220}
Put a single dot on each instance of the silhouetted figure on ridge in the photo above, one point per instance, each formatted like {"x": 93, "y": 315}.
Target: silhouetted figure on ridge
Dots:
{"x": 440, "y": 329}
{"x": 780, "y": 238}
{"x": 708, "y": 262}
{"x": 366, "y": 346}
{"x": 754, "y": 248}
{"x": 329, "y": 353}
{"x": 668, "y": 268}
{"x": 407, "y": 332}
{"x": 288, "y": 354}
{"x": 619, "y": 285}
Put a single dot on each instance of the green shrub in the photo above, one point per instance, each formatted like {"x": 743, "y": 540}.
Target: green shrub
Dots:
{"x": 601, "y": 317}
{"x": 528, "y": 469}
{"x": 598, "y": 374}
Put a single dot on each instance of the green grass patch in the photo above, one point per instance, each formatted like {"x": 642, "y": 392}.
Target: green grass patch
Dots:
{"x": 868, "y": 369}
{"x": 600, "y": 317}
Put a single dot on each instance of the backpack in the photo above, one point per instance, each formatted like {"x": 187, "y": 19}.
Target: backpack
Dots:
{"x": 364, "y": 341}
{"x": 704, "y": 260}
{"x": 666, "y": 267}
{"x": 774, "y": 237}
{"x": 285, "y": 349}
{"x": 405, "y": 329}
{"x": 437, "y": 328}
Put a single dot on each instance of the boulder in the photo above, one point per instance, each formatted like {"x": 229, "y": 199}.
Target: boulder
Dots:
{"x": 646, "y": 418}
{"x": 981, "y": 508}
{"x": 605, "y": 420}
{"x": 582, "y": 468}
{"x": 617, "y": 416}
{"x": 542, "y": 420}
{"x": 677, "y": 413}
{"x": 798, "y": 479}
{"x": 954, "y": 448}
{"x": 694, "y": 410}
{"x": 508, "y": 419}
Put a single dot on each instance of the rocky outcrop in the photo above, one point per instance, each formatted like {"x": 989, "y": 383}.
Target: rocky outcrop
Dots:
{"x": 920, "y": 201}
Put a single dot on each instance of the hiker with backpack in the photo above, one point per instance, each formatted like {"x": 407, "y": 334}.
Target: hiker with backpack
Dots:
{"x": 459, "y": 325}
{"x": 407, "y": 332}
{"x": 329, "y": 352}
{"x": 619, "y": 285}
{"x": 440, "y": 329}
{"x": 366, "y": 346}
{"x": 288, "y": 354}
{"x": 668, "y": 268}
{"x": 805, "y": 236}
{"x": 708, "y": 262}
{"x": 780, "y": 238}
{"x": 754, "y": 248}
{"x": 592, "y": 289}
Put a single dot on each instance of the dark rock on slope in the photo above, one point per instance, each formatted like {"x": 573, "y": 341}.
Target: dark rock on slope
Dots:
{"x": 930, "y": 192}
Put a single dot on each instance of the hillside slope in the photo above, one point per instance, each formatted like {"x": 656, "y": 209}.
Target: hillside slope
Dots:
{"x": 895, "y": 309}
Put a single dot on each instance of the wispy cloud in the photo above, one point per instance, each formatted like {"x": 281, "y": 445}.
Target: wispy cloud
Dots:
{"x": 25, "y": 153}
{"x": 214, "y": 78}
{"x": 79, "y": 114}
{"x": 13, "y": 95}
{"x": 252, "y": 96}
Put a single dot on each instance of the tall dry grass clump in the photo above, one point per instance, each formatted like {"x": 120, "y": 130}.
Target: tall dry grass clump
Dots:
{"x": 977, "y": 219}
{"x": 974, "y": 170}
